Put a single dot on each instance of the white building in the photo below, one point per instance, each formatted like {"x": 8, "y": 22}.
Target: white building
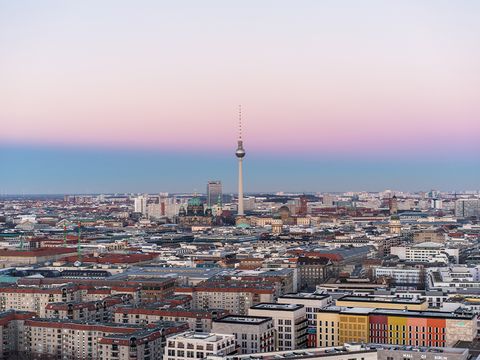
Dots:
{"x": 425, "y": 252}
{"x": 452, "y": 278}
{"x": 191, "y": 345}
{"x": 253, "y": 334}
{"x": 289, "y": 320}
{"x": 401, "y": 275}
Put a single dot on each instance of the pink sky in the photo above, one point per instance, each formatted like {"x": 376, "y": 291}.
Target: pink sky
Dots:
{"x": 358, "y": 79}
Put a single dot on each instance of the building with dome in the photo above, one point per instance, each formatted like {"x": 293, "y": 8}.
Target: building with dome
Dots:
{"x": 196, "y": 214}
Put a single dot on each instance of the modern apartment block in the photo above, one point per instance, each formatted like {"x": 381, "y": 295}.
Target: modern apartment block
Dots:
{"x": 197, "y": 320}
{"x": 191, "y": 345}
{"x": 253, "y": 334}
{"x": 290, "y": 322}
{"x": 313, "y": 303}
{"x": 338, "y": 325}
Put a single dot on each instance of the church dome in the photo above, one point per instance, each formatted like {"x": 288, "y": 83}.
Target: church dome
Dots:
{"x": 195, "y": 201}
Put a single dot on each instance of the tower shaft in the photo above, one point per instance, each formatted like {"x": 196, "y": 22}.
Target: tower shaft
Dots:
{"x": 79, "y": 246}
{"x": 240, "y": 187}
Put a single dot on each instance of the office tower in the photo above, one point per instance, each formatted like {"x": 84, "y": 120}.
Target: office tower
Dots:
{"x": 140, "y": 204}
{"x": 214, "y": 192}
{"x": 240, "y": 154}
{"x": 465, "y": 208}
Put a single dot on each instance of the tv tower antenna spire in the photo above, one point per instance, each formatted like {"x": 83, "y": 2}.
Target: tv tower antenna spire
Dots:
{"x": 240, "y": 122}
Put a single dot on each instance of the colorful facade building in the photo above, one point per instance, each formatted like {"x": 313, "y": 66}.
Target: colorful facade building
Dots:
{"x": 338, "y": 325}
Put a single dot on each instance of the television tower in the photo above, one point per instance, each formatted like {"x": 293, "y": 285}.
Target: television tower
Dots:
{"x": 240, "y": 154}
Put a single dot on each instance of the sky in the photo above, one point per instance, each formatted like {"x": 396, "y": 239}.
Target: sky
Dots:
{"x": 135, "y": 96}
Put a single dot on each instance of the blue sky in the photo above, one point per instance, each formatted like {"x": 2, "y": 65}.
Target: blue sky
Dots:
{"x": 56, "y": 170}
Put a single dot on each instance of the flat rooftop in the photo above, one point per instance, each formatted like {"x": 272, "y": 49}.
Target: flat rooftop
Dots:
{"x": 191, "y": 335}
{"x": 245, "y": 320}
{"x": 275, "y": 306}
{"x": 347, "y": 349}
{"x": 378, "y": 299}
{"x": 312, "y": 296}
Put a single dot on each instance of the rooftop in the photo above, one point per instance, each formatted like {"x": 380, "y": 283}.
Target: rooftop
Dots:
{"x": 312, "y": 296}
{"x": 275, "y": 306}
{"x": 246, "y": 320}
{"x": 208, "y": 337}
{"x": 377, "y": 299}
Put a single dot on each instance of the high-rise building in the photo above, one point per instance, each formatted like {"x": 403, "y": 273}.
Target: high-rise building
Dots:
{"x": 465, "y": 208}
{"x": 140, "y": 204}
{"x": 214, "y": 192}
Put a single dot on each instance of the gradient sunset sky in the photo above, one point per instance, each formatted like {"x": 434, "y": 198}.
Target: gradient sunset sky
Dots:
{"x": 134, "y": 96}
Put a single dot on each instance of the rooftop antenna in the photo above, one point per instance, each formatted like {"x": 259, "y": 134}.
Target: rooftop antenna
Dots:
{"x": 240, "y": 122}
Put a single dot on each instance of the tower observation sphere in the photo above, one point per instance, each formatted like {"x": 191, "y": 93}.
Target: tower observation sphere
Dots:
{"x": 240, "y": 153}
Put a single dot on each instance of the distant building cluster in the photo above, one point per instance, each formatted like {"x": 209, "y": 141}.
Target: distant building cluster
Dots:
{"x": 388, "y": 275}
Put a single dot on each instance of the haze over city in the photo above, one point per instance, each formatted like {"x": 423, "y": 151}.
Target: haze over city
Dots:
{"x": 119, "y": 96}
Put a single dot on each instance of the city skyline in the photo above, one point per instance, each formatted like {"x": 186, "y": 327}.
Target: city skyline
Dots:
{"x": 335, "y": 97}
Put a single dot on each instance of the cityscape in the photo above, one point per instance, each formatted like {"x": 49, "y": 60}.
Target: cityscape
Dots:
{"x": 138, "y": 222}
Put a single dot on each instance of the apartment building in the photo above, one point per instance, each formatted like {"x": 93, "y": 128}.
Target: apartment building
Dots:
{"x": 35, "y": 299}
{"x": 97, "y": 311}
{"x": 289, "y": 321}
{"x": 96, "y": 293}
{"x": 197, "y": 320}
{"x": 338, "y": 325}
{"x": 71, "y": 340}
{"x": 152, "y": 289}
{"x": 11, "y": 324}
{"x": 235, "y": 297}
{"x": 253, "y": 334}
{"x": 191, "y": 345}
{"x": 143, "y": 345}
{"x": 313, "y": 302}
